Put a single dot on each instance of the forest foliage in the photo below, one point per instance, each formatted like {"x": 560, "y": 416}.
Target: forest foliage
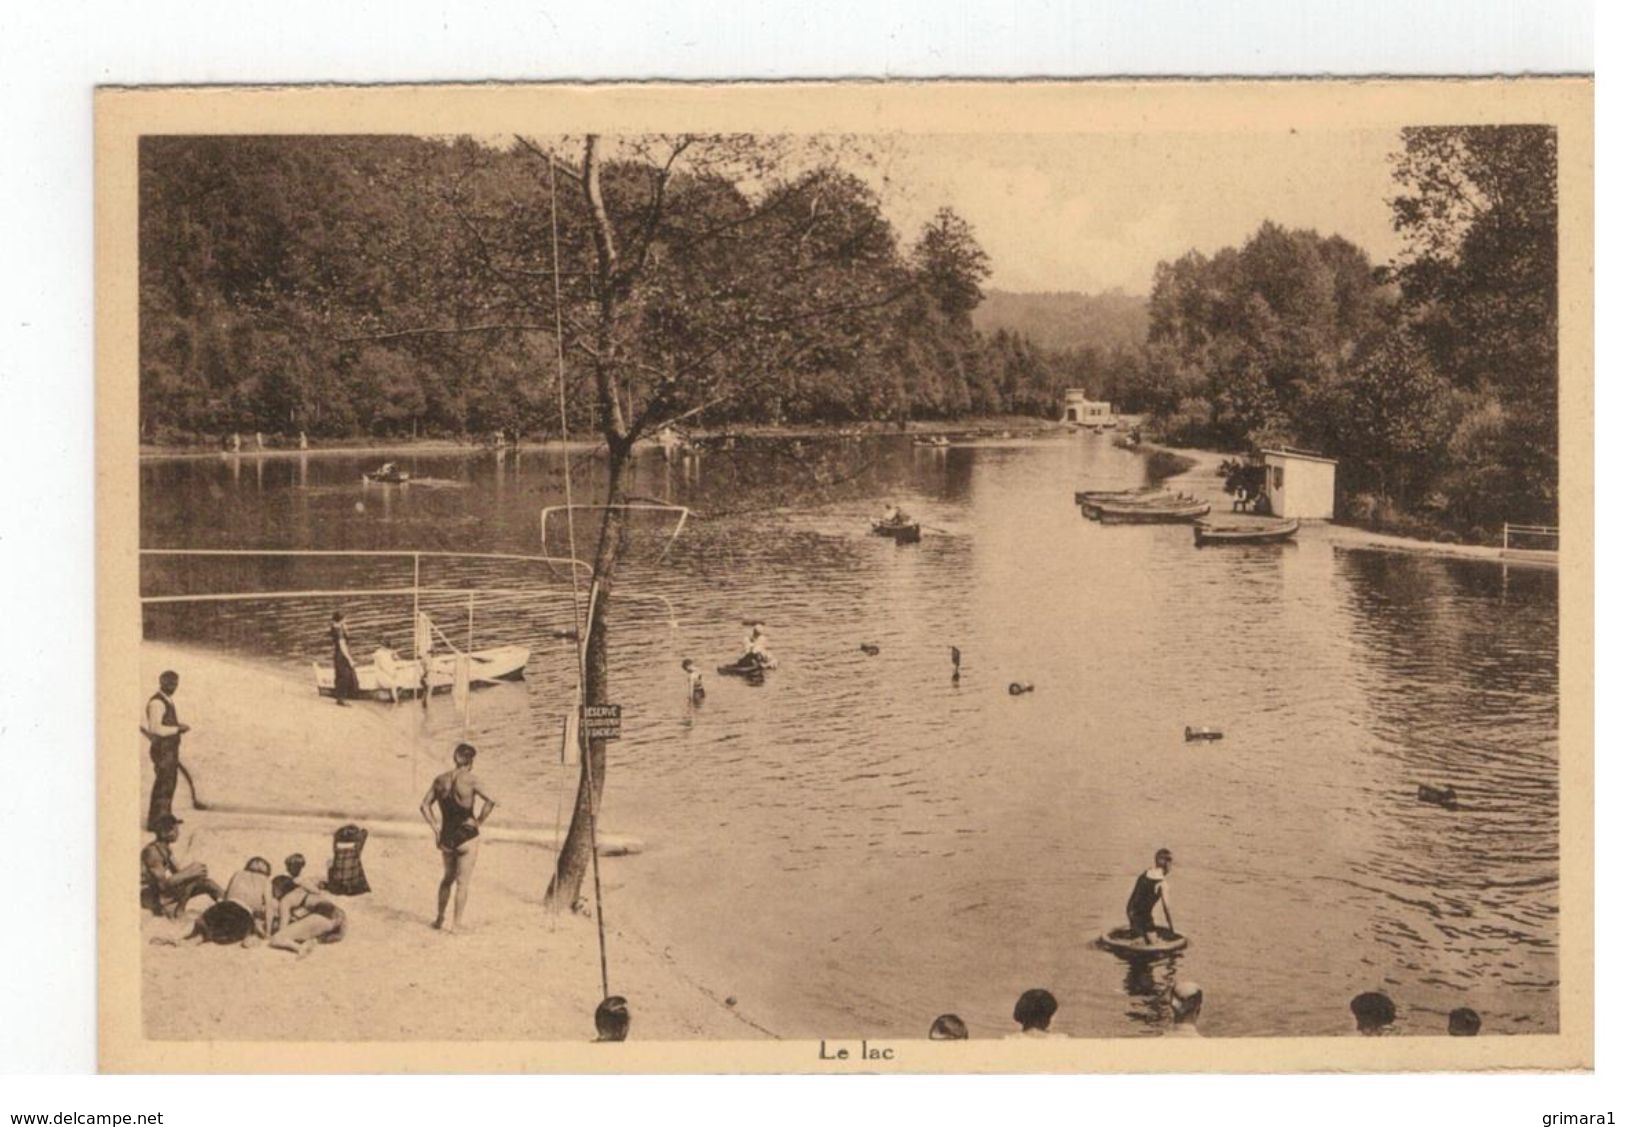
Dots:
{"x": 396, "y": 286}
{"x": 388, "y": 286}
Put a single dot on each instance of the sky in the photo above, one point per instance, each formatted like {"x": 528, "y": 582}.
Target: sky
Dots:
{"x": 1096, "y": 212}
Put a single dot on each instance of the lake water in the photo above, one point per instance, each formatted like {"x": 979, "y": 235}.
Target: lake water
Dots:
{"x": 860, "y": 843}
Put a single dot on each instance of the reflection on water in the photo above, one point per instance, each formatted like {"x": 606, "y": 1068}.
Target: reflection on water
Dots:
{"x": 861, "y": 843}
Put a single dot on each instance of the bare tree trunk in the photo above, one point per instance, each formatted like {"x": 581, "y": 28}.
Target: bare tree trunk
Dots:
{"x": 576, "y": 854}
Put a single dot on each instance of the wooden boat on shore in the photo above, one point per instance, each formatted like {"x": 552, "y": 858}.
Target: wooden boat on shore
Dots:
{"x": 1158, "y": 511}
{"x": 1245, "y": 532}
{"x": 1121, "y": 941}
{"x": 486, "y": 667}
{"x": 904, "y": 532}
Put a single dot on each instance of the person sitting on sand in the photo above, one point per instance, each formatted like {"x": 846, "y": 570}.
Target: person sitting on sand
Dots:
{"x": 1034, "y": 1011}
{"x": 292, "y": 879}
{"x": 304, "y": 917}
{"x": 1373, "y": 1013}
{"x": 1150, "y": 889}
{"x": 388, "y": 672}
{"x": 612, "y": 1019}
{"x": 696, "y": 683}
{"x": 246, "y": 911}
{"x": 1185, "y": 999}
{"x": 949, "y": 1027}
{"x": 457, "y": 830}
{"x": 165, "y": 887}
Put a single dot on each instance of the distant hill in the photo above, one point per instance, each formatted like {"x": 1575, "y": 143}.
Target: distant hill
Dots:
{"x": 1066, "y": 320}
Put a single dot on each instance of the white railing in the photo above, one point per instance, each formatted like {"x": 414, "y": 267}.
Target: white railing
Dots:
{"x": 1545, "y": 532}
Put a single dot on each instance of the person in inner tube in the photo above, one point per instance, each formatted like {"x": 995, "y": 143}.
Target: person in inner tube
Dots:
{"x": 756, "y": 648}
{"x": 1150, "y": 889}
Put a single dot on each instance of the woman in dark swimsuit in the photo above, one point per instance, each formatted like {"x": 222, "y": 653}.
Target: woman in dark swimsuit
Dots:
{"x": 345, "y": 684}
{"x": 457, "y": 830}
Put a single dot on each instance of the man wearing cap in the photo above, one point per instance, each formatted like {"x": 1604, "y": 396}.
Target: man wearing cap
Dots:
{"x": 1185, "y": 999}
{"x": 1150, "y": 889}
{"x": 165, "y": 887}
{"x": 163, "y": 730}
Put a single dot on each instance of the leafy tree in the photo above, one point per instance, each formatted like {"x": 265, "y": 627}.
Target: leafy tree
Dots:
{"x": 1392, "y": 415}
{"x": 951, "y": 265}
{"x": 1478, "y": 209}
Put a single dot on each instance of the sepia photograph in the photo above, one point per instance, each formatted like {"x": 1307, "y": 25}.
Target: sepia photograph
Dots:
{"x": 786, "y": 576}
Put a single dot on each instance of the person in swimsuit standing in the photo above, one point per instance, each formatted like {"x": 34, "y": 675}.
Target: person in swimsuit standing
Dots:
{"x": 456, "y": 830}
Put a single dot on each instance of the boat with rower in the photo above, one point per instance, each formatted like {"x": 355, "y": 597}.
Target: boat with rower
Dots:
{"x": 485, "y": 667}
{"x": 1267, "y": 531}
{"x": 387, "y": 474}
{"x": 902, "y": 531}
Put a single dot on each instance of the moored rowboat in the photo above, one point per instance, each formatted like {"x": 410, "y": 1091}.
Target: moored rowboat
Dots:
{"x": 486, "y": 667}
{"x": 1245, "y": 532}
{"x": 1159, "y": 511}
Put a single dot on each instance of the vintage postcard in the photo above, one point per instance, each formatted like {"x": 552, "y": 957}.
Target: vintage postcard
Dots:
{"x": 846, "y": 577}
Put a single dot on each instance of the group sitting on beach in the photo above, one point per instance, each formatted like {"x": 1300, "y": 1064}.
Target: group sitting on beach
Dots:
{"x": 288, "y": 912}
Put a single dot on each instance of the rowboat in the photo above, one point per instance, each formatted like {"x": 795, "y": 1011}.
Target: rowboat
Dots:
{"x": 1245, "y": 532}
{"x": 486, "y": 667}
{"x": 1159, "y": 511}
{"x": 387, "y": 477}
{"x": 1088, "y": 500}
{"x": 904, "y": 532}
{"x": 1121, "y": 941}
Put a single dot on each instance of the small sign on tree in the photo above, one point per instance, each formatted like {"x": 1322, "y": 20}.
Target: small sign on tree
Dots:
{"x": 601, "y": 721}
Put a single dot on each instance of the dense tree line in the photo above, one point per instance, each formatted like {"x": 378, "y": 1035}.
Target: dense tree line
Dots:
{"x": 396, "y": 286}
{"x": 1433, "y": 379}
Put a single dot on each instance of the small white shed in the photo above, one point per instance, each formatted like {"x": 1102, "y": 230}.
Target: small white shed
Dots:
{"x": 1299, "y": 484}
{"x": 1081, "y": 409}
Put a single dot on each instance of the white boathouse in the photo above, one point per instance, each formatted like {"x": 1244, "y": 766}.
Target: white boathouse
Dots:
{"x": 1085, "y": 411}
{"x": 1299, "y": 484}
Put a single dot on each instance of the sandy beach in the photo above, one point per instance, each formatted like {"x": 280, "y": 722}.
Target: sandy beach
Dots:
{"x": 276, "y": 766}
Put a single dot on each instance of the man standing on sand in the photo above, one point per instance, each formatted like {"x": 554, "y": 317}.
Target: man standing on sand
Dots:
{"x": 457, "y": 830}
{"x": 163, "y": 730}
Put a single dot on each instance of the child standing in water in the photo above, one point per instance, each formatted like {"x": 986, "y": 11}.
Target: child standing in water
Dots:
{"x": 696, "y": 683}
